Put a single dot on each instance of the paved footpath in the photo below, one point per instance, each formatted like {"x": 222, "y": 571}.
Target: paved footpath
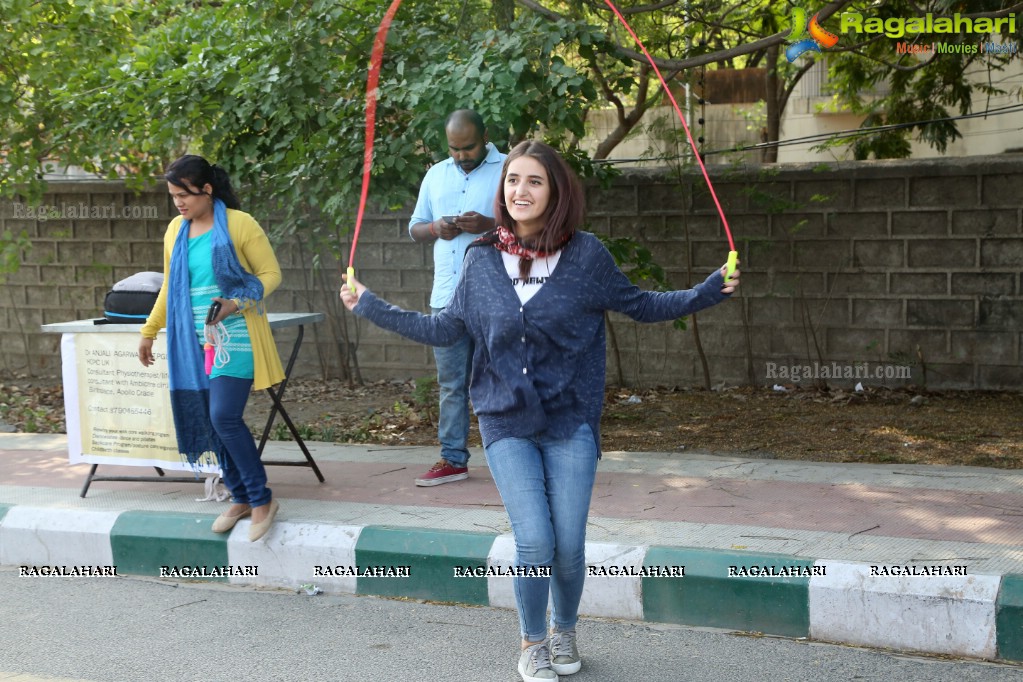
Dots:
{"x": 908, "y": 557}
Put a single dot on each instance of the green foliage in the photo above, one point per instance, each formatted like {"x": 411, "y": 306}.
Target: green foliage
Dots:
{"x": 46, "y": 47}
{"x": 917, "y": 88}
{"x": 515, "y": 79}
{"x": 638, "y": 264}
{"x": 12, "y": 252}
{"x": 770, "y": 202}
{"x": 424, "y": 394}
{"x": 636, "y": 260}
{"x": 274, "y": 91}
{"x": 27, "y": 412}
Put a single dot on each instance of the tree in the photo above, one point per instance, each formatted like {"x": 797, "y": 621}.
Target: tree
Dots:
{"x": 683, "y": 36}
{"x": 45, "y": 48}
{"x": 273, "y": 91}
{"x": 923, "y": 90}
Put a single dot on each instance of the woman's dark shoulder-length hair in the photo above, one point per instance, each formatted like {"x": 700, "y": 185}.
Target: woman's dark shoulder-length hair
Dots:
{"x": 567, "y": 207}
{"x": 199, "y": 172}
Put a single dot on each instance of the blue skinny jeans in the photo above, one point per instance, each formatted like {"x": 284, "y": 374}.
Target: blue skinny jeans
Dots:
{"x": 242, "y": 471}
{"x": 546, "y": 486}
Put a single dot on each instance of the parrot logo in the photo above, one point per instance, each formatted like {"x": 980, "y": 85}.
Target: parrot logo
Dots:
{"x": 818, "y": 36}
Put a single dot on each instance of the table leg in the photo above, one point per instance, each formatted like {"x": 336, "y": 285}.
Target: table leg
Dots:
{"x": 276, "y": 397}
{"x": 280, "y": 393}
{"x": 88, "y": 480}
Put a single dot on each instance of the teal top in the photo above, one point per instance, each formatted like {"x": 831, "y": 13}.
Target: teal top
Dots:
{"x": 203, "y": 288}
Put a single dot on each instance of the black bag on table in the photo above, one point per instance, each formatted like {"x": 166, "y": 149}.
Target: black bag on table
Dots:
{"x": 131, "y": 300}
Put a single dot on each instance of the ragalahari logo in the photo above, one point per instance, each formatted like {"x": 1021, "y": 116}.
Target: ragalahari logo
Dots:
{"x": 818, "y": 36}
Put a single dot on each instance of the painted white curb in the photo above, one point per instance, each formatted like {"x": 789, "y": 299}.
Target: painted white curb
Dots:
{"x": 500, "y": 591}
{"x": 939, "y": 614}
{"x": 617, "y": 596}
{"x": 614, "y": 596}
{"x": 953, "y": 615}
{"x": 287, "y": 556}
{"x": 56, "y": 537}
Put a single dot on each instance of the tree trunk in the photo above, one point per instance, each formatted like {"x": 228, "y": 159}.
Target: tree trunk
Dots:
{"x": 504, "y": 13}
{"x": 773, "y": 130}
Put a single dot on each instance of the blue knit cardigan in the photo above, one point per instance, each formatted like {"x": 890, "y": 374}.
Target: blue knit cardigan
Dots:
{"x": 539, "y": 367}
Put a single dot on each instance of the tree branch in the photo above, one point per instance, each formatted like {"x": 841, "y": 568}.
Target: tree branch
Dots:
{"x": 626, "y": 122}
{"x": 994, "y": 15}
{"x": 541, "y": 10}
{"x": 793, "y": 80}
{"x": 608, "y": 93}
{"x": 641, "y": 8}
{"x": 730, "y": 53}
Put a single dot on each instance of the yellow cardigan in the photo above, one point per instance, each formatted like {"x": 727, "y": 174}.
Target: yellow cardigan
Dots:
{"x": 255, "y": 255}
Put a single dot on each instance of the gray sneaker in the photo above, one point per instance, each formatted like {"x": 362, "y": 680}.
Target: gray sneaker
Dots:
{"x": 535, "y": 664}
{"x": 564, "y": 653}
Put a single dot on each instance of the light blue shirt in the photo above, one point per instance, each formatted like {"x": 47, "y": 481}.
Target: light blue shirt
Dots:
{"x": 448, "y": 190}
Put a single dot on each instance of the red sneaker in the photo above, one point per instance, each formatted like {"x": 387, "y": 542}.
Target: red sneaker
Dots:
{"x": 443, "y": 472}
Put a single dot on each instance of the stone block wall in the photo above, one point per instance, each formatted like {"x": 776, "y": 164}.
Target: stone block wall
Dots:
{"x": 890, "y": 273}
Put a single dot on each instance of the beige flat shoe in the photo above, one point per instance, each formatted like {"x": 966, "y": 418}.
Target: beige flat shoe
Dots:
{"x": 225, "y": 523}
{"x": 258, "y": 530}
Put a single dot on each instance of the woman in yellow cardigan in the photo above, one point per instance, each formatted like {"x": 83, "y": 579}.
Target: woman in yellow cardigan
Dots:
{"x": 216, "y": 254}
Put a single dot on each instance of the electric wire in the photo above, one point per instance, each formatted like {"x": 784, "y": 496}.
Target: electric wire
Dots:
{"x": 860, "y": 132}
{"x": 841, "y": 134}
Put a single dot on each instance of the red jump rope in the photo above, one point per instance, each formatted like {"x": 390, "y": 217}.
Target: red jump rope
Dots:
{"x": 372, "y": 81}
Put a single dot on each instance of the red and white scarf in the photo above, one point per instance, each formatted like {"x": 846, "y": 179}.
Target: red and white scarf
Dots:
{"x": 509, "y": 243}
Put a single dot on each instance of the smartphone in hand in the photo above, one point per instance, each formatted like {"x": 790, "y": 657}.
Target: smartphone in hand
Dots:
{"x": 449, "y": 219}
{"x": 213, "y": 312}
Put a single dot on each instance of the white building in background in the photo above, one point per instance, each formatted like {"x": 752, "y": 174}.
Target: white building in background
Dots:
{"x": 809, "y": 112}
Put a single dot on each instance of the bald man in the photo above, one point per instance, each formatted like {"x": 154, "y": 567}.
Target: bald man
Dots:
{"x": 455, "y": 205}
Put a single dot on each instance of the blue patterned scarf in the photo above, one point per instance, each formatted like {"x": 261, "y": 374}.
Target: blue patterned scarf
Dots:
{"x": 189, "y": 385}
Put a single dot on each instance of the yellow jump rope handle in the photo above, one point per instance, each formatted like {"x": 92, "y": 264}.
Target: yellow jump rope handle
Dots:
{"x": 351, "y": 274}
{"x": 733, "y": 257}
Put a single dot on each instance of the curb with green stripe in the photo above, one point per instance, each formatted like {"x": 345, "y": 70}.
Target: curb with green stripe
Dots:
{"x": 841, "y": 605}
{"x": 1009, "y": 618}
{"x": 708, "y": 596}
{"x": 142, "y": 542}
{"x": 432, "y": 556}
